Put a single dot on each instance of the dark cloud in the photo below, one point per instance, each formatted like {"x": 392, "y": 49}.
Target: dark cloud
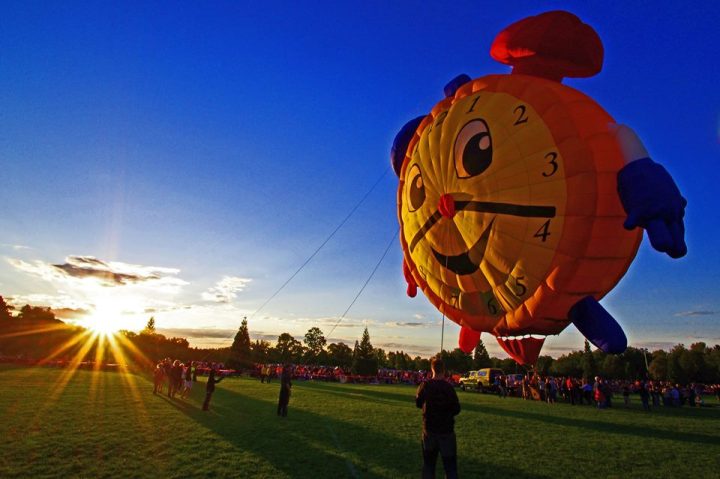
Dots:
{"x": 412, "y": 325}
{"x": 108, "y": 277}
{"x": 91, "y": 267}
{"x": 686, "y": 314}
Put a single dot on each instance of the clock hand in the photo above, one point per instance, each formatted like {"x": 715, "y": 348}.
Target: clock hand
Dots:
{"x": 424, "y": 229}
{"x": 527, "y": 211}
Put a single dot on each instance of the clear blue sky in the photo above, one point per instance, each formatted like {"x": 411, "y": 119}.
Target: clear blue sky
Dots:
{"x": 183, "y": 143}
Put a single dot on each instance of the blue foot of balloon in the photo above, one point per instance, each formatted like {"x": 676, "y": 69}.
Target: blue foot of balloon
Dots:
{"x": 598, "y": 326}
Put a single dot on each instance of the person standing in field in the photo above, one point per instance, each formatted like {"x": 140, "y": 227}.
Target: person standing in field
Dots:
{"x": 210, "y": 389}
{"x": 285, "y": 385}
{"x": 158, "y": 378}
{"x": 187, "y": 381}
{"x": 439, "y": 403}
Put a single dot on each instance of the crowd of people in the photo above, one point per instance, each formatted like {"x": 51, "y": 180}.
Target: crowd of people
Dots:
{"x": 178, "y": 378}
{"x": 600, "y": 392}
{"x": 266, "y": 372}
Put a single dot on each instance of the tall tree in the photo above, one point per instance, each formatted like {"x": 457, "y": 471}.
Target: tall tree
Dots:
{"x": 4, "y": 310}
{"x": 240, "y": 353}
{"x": 587, "y": 363}
{"x": 288, "y": 348}
{"x": 365, "y": 348}
{"x": 481, "y": 358}
{"x": 150, "y": 326}
{"x": 365, "y": 361}
{"x": 315, "y": 342}
{"x": 658, "y": 368}
{"x": 340, "y": 354}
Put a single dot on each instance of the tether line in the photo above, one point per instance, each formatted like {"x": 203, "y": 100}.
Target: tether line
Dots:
{"x": 362, "y": 200}
{"x": 366, "y": 281}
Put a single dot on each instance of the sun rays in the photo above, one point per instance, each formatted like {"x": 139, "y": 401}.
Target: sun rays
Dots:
{"x": 95, "y": 351}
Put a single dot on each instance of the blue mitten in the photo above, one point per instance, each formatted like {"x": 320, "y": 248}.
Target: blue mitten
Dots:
{"x": 653, "y": 201}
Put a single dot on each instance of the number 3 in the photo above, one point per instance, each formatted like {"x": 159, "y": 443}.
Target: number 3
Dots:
{"x": 552, "y": 157}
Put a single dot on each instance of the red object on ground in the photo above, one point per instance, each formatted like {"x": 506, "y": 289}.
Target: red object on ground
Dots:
{"x": 552, "y": 45}
{"x": 523, "y": 350}
{"x": 468, "y": 339}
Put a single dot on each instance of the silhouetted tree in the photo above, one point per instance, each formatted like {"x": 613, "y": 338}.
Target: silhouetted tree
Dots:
{"x": 364, "y": 359}
{"x": 150, "y": 327}
{"x": 340, "y": 354}
{"x": 481, "y": 358}
{"x": 315, "y": 342}
{"x": 4, "y": 310}
{"x": 240, "y": 354}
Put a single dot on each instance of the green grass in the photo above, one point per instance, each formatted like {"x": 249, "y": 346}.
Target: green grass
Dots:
{"x": 97, "y": 427}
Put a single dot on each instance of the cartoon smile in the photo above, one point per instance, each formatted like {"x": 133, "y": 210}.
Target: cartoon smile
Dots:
{"x": 469, "y": 261}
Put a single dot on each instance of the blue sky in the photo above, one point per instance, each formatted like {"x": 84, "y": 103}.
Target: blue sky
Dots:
{"x": 206, "y": 150}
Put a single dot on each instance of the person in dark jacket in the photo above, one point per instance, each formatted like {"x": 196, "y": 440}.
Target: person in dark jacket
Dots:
{"x": 285, "y": 385}
{"x": 440, "y": 405}
{"x": 210, "y": 389}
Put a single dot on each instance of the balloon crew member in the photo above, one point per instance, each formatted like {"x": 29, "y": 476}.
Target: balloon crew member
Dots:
{"x": 440, "y": 405}
{"x": 285, "y": 385}
{"x": 210, "y": 389}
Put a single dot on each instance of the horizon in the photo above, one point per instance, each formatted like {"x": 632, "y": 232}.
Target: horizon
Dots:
{"x": 185, "y": 163}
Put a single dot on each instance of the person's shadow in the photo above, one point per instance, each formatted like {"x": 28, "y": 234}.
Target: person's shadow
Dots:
{"x": 307, "y": 444}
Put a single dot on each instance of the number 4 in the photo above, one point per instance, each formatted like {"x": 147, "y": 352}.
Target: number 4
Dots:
{"x": 543, "y": 232}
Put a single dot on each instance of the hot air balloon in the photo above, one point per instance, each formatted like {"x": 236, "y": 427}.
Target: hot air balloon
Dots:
{"x": 522, "y": 202}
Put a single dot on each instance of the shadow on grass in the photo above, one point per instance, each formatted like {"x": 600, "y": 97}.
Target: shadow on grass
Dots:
{"x": 307, "y": 444}
{"x": 598, "y": 426}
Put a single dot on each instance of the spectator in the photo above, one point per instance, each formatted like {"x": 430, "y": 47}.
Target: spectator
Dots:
{"x": 440, "y": 405}
{"x": 285, "y": 386}
{"x": 210, "y": 389}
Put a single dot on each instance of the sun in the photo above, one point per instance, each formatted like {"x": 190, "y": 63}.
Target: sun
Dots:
{"x": 101, "y": 325}
{"x": 107, "y": 318}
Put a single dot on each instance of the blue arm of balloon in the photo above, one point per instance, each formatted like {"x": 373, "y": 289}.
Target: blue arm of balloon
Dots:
{"x": 402, "y": 139}
{"x": 653, "y": 201}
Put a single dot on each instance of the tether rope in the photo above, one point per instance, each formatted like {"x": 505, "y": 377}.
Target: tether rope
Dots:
{"x": 366, "y": 281}
{"x": 362, "y": 200}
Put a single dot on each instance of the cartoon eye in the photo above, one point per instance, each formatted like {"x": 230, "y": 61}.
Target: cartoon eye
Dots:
{"x": 416, "y": 189}
{"x": 473, "y": 149}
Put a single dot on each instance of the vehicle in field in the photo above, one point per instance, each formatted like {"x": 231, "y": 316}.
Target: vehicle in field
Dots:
{"x": 514, "y": 383}
{"x": 481, "y": 380}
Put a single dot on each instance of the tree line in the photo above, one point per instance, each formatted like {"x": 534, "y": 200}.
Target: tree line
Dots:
{"x": 35, "y": 332}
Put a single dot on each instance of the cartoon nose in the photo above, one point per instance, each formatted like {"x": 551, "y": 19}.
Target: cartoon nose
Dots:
{"x": 446, "y": 206}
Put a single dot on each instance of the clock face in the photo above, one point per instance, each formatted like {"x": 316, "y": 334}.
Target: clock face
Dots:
{"x": 482, "y": 200}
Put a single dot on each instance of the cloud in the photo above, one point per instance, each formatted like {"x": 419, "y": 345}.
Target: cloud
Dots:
{"x": 199, "y": 333}
{"x": 105, "y": 273}
{"x": 70, "y": 313}
{"x": 394, "y": 324}
{"x": 226, "y": 289}
{"x": 655, "y": 345}
{"x": 16, "y": 247}
{"x": 412, "y": 350}
{"x": 686, "y": 314}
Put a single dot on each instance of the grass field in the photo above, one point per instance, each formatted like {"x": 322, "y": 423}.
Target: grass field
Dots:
{"x": 110, "y": 425}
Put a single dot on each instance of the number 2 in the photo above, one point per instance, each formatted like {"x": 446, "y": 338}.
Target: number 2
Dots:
{"x": 522, "y": 118}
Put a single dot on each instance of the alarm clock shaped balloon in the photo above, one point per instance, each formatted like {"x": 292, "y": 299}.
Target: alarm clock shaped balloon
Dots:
{"x": 522, "y": 202}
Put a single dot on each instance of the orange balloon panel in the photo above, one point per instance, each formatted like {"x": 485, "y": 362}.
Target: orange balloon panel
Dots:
{"x": 508, "y": 205}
